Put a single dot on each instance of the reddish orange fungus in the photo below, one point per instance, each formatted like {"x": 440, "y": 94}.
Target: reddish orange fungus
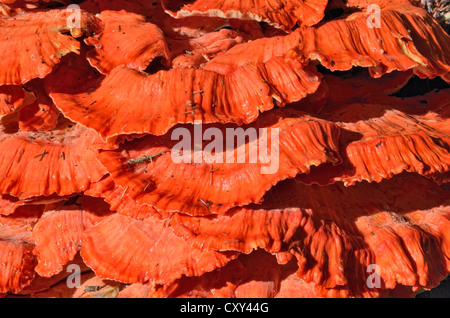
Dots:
{"x": 224, "y": 149}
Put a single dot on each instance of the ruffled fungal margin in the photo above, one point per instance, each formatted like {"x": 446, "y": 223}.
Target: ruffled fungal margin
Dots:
{"x": 220, "y": 283}
{"x": 241, "y": 229}
{"x": 62, "y": 157}
{"x": 387, "y": 137}
{"x": 115, "y": 196}
{"x": 126, "y": 39}
{"x": 41, "y": 114}
{"x": 12, "y": 98}
{"x": 127, "y": 101}
{"x": 44, "y": 43}
{"x": 200, "y": 186}
{"x": 18, "y": 262}
{"x": 16, "y": 248}
{"x": 24, "y": 218}
{"x": 407, "y": 39}
{"x": 95, "y": 119}
{"x": 335, "y": 233}
{"x": 257, "y": 275}
{"x": 281, "y": 14}
{"x": 130, "y": 251}
{"x": 58, "y": 233}
{"x": 196, "y": 52}
{"x": 176, "y": 29}
{"x": 9, "y": 204}
{"x": 249, "y": 276}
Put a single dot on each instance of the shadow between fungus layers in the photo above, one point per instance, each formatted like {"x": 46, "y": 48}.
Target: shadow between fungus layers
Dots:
{"x": 116, "y": 163}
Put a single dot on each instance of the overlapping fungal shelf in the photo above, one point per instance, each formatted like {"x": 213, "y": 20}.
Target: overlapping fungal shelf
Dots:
{"x": 88, "y": 178}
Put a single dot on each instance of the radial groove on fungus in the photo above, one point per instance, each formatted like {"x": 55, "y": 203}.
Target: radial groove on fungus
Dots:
{"x": 282, "y": 14}
{"x": 121, "y": 42}
{"x": 130, "y": 251}
{"x": 392, "y": 136}
{"x": 43, "y": 42}
{"x": 335, "y": 233}
{"x": 17, "y": 266}
{"x": 58, "y": 233}
{"x": 213, "y": 187}
{"x": 62, "y": 157}
{"x": 157, "y": 102}
{"x": 115, "y": 196}
{"x": 162, "y": 147}
{"x": 16, "y": 247}
{"x": 409, "y": 39}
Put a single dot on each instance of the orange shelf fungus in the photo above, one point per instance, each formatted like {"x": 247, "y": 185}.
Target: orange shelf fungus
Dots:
{"x": 231, "y": 173}
{"x": 58, "y": 233}
{"x": 34, "y": 46}
{"x": 12, "y": 98}
{"x": 65, "y": 163}
{"x": 335, "y": 233}
{"x": 139, "y": 251}
{"x": 224, "y": 149}
{"x": 406, "y": 38}
{"x": 41, "y": 114}
{"x": 133, "y": 102}
{"x": 392, "y": 136}
{"x": 16, "y": 248}
{"x": 282, "y": 14}
{"x": 120, "y": 202}
{"x": 128, "y": 29}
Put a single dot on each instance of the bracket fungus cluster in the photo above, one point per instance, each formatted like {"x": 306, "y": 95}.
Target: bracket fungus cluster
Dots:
{"x": 201, "y": 148}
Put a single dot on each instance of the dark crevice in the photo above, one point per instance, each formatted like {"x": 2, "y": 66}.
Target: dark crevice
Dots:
{"x": 345, "y": 74}
{"x": 417, "y": 86}
{"x": 333, "y": 13}
{"x": 442, "y": 291}
{"x": 158, "y": 64}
